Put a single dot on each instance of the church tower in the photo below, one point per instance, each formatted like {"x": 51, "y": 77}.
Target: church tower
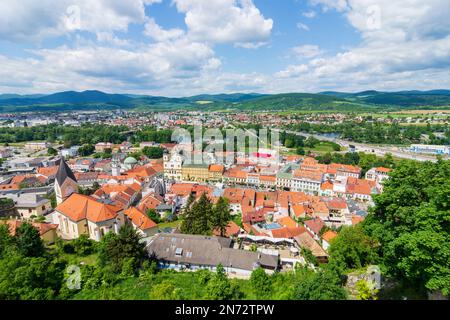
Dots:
{"x": 65, "y": 182}
{"x": 115, "y": 166}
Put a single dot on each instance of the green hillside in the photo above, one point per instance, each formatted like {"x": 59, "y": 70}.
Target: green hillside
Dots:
{"x": 326, "y": 101}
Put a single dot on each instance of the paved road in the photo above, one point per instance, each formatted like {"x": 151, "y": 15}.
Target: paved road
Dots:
{"x": 362, "y": 147}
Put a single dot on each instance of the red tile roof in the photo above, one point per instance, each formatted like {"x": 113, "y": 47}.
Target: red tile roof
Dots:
{"x": 232, "y": 230}
{"x": 78, "y": 207}
{"x": 315, "y": 225}
{"x": 139, "y": 219}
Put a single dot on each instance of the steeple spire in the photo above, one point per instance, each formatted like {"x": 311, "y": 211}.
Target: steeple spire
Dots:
{"x": 65, "y": 182}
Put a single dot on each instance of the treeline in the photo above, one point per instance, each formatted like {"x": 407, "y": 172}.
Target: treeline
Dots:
{"x": 380, "y": 133}
{"x": 85, "y": 134}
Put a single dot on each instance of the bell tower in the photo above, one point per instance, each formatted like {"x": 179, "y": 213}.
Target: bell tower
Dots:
{"x": 65, "y": 182}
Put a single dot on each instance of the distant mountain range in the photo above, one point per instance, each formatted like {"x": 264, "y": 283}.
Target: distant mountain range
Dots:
{"x": 339, "y": 101}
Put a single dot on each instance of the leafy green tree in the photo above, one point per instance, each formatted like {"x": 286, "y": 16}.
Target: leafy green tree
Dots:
{"x": 114, "y": 249}
{"x": 220, "y": 288}
{"x": 52, "y": 151}
{"x": 309, "y": 257}
{"x": 30, "y": 278}
{"x": 411, "y": 222}
{"x": 300, "y": 151}
{"x": 165, "y": 290}
{"x": 6, "y": 239}
{"x": 197, "y": 219}
{"x": 83, "y": 245}
{"x": 86, "y": 150}
{"x": 260, "y": 283}
{"x": 353, "y": 248}
{"x": 152, "y": 214}
{"x": 321, "y": 285}
{"x": 221, "y": 216}
{"x": 28, "y": 241}
{"x": 153, "y": 152}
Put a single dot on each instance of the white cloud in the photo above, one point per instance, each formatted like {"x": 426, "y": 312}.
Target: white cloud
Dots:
{"x": 404, "y": 43}
{"x": 307, "y": 51}
{"x": 153, "y": 30}
{"x": 302, "y": 26}
{"x": 27, "y": 20}
{"x": 225, "y": 21}
{"x": 309, "y": 14}
{"x": 292, "y": 71}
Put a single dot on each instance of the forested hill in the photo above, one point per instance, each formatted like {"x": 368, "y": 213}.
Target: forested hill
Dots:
{"x": 338, "y": 101}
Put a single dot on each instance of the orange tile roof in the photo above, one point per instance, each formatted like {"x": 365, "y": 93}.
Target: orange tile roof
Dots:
{"x": 383, "y": 169}
{"x": 141, "y": 171}
{"x": 216, "y": 168}
{"x": 42, "y": 227}
{"x": 234, "y": 195}
{"x": 139, "y": 219}
{"x": 327, "y": 185}
{"x": 360, "y": 186}
{"x": 356, "y": 219}
{"x": 319, "y": 208}
{"x": 9, "y": 187}
{"x": 232, "y": 230}
{"x": 309, "y": 160}
{"x": 336, "y": 204}
{"x": 150, "y": 201}
{"x": 48, "y": 171}
{"x": 287, "y": 222}
{"x": 300, "y": 210}
{"x": 182, "y": 189}
{"x": 78, "y": 207}
{"x": 329, "y": 235}
{"x": 310, "y": 175}
{"x": 344, "y": 167}
{"x": 287, "y": 232}
{"x": 267, "y": 178}
{"x": 315, "y": 225}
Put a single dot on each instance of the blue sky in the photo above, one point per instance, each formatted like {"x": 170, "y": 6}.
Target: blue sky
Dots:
{"x": 186, "y": 47}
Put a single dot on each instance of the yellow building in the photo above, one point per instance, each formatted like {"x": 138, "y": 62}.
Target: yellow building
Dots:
{"x": 216, "y": 172}
{"x": 195, "y": 172}
{"x": 47, "y": 231}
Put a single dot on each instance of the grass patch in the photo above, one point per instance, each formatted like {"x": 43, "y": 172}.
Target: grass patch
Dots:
{"x": 173, "y": 224}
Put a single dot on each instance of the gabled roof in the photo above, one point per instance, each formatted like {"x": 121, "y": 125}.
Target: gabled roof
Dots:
{"x": 78, "y": 207}
{"x": 329, "y": 235}
{"x": 43, "y": 228}
{"x": 232, "y": 229}
{"x": 64, "y": 172}
{"x": 139, "y": 219}
{"x": 315, "y": 225}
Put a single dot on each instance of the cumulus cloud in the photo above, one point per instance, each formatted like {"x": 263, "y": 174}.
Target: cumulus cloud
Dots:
{"x": 30, "y": 20}
{"x": 404, "y": 44}
{"x": 401, "y": 42}
{"x": 307, "y": 51}
{"x": 153, "y": 30}
{"x": 225, "y": 21}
